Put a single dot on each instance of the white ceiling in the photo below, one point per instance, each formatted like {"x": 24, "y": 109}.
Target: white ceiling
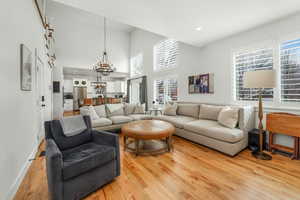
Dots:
{"x": 81, "y": 16}
{"x": 179, "y": 18}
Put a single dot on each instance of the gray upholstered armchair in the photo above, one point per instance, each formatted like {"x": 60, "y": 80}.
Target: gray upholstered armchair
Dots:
{"x": 79, "y": 164}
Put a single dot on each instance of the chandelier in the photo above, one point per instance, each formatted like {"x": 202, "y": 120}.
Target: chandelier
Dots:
{"x": 103, "y": 65}
{"x": 99, "y": 85}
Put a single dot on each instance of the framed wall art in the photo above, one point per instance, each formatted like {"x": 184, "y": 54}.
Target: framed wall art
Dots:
{"x": 201, "y": 84}
{"x": 26, "y": 68}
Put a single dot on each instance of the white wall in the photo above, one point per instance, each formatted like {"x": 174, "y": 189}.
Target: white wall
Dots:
{"x": 215, "y": 58}
{"x": 79, "y": 42}
{"x": 142, "y": 42}
{"x": 19, "y": 23}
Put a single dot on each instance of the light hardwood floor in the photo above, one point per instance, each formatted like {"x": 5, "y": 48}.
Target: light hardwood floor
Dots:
{"x": 190, "y": 172}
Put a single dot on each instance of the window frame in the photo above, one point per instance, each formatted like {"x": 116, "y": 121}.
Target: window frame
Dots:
{"x": 165, "y": 78}
{"x": 275, "y": 44}
{"x": 280, "y": 42}
{"x": 133, "y": 60}
{"x": 155, "y": 68}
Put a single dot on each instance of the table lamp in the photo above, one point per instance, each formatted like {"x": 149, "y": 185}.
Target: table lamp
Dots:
{"x": 260, "y": 79}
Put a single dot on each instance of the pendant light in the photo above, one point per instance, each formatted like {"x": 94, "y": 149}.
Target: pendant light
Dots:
{"x": 103, "y": 65}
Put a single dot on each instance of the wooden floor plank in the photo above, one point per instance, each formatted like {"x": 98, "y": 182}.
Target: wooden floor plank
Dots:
{"x": 191, "y": 171}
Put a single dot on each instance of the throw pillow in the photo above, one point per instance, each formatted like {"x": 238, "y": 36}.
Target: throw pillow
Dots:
{"x": 170, "y": 109}
{"x": 129, "y": 108}
{"x": 210, "y": 112}
{"x": 229, "y": 117}
{"x": 93, "y": 113}
{"x": 139, "y": 109}
{"x": 100, "y": 110}
{"x": 114, "y": 109}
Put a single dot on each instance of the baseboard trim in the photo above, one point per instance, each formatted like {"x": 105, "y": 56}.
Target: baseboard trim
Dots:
{"x": 15, "y": 186}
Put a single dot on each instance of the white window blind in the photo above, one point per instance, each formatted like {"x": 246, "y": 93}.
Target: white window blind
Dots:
{"x": 165, "y": 90}
{"x": 165, "y": 54}
{"x": 136, "y": 64}
{"x": 260, "y": 59}
{"x": 290, "y": 71}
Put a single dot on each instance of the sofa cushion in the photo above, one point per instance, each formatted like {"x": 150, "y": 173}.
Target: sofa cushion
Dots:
{"x": 139, "y": 109}
{"x": 170, "y": 109}
{"x": 178, "y": 121}
{"x": 229, "y": 117}
{"x": 120, "y": 119}
{"x": 210, "y": 112}
{"x": 129, "y": 108}
{"x": 101, "y": 122}
{"x": 100, "y": 110}
{"x": 89, "y": 111}
{"x": 190, "y": 110}
{"x": 85, "y": 157}
{"x": 140, "y": 116}
{"x": 214, "y": 130}
{"x": 114, "y": 109}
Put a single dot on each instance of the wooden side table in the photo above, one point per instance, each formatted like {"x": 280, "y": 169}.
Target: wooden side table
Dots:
{"x": 287, "y": 124}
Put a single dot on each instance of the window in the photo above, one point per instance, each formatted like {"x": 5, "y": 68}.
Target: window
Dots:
{"x": 136, "y": 64}
{"x": 290, "y": 71}
{"x": 165, "y": 54}
{"x": 260, "y": 59}
{"x": 165, "y": 90}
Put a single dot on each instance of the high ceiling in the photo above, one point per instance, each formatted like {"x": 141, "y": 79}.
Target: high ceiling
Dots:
{"x": 81, "y": 16}
{"x": 179, "y": 19}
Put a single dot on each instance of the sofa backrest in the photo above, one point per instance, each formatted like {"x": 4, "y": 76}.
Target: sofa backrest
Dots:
{"x": 246, "y": 120}
{"x": 54, "y": 131}
{"x": 190, "y": 110}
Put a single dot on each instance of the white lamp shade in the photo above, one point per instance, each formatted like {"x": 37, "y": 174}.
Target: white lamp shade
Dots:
{"x": 260, "y": 79}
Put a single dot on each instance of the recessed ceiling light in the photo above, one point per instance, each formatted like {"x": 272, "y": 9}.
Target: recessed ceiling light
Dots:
{"x": 199, "y": 28}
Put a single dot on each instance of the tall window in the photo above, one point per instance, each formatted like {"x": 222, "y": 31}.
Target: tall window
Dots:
{"x": 260, "y": 59}
{"x": 165, "y": 54}
{"x": 136, "y": 64}
{"x": 290, "y": 71}
{"x": 165, "y": 90}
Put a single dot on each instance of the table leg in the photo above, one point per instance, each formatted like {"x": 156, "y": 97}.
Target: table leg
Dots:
{"x": 270, "y": 141}
{"x": 169, "y": 143}
{"x": 296, "y": 148}
{"x": 125, "y": 138}
{"x": 298, "y": 143}
{"x": 137, "y": 146}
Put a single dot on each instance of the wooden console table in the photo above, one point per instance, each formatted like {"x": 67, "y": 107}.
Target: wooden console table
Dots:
{"x": 287, "y": 124}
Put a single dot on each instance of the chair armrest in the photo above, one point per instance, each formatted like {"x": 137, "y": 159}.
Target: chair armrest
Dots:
{"x": 105, "y": 138}
{"x": 109, "y": 139}
{"x": 54, "y": 165}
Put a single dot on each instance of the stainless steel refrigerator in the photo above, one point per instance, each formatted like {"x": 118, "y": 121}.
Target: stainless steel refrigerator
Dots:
{"x": 79, "y": 94}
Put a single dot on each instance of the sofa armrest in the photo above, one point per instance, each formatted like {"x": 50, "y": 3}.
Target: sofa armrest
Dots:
{"x": 247, "y": 118}
{"x": 109, "y": 139}
{"x": 54, "y": 164}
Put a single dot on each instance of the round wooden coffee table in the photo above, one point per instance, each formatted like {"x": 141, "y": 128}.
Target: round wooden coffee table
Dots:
{"x": 148, "y": 136}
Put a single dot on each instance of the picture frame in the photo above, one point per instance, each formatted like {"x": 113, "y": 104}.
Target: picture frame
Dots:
{"x": 201, "y": 84}
{"x": 25, "y": 68}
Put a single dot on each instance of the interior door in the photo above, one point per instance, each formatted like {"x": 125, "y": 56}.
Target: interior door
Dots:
{"x": 40, "y": 98}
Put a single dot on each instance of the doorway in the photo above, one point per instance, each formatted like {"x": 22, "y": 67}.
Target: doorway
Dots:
{"x": 40, "y": 97}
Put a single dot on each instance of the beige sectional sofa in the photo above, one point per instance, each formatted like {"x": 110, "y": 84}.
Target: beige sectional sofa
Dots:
{"x": 196, "y": 122}
{"x": 105, "y": 120}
